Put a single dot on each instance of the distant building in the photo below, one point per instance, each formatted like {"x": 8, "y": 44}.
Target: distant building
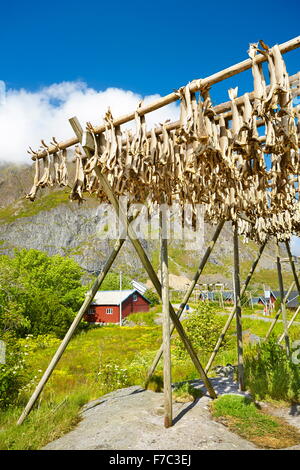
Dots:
{"x": 106, "y": 305}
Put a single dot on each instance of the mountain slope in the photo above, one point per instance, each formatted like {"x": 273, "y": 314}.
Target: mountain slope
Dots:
{"x": 56, "y": 225}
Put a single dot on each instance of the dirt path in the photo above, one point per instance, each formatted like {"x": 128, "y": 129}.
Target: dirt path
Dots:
{"x": 132, "y": 418}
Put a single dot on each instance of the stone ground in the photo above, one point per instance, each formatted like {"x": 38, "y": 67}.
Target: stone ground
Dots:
{"x": 132, "y": 418}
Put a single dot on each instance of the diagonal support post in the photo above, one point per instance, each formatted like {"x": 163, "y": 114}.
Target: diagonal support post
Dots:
{"x": 144, "y": 260}
{"x": 272, "y": 326}
{"x": 282, "y": 300}
{"x": 238, "y": 307}
{"x": 232, "y": 314}
{"x": 187, "y": 296}
{"x": 296, "y": 279}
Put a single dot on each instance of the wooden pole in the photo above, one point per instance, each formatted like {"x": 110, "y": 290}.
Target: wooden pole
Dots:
{"x": 282, "y": 300}
{"x": 279, "y": 311}
{"x": 144, "y": 259}
{"x": 289, "y": 324}
{"x": 187, "y": 296}
{"x": 75, "y": 323}
{"x": 238, "y": 309}
{"x": 229, "y": 320}
{"x": 166, "y": 320}
{"x": 172, "y": 97}
{"x": 296, "y": 279}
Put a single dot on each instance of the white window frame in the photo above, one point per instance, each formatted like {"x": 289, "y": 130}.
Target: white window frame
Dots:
{"x": 134, "y": 297}
{"x": 109, "y": 310}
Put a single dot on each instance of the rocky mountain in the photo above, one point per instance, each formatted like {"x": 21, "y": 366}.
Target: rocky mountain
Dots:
{"x": 56, "y": 225}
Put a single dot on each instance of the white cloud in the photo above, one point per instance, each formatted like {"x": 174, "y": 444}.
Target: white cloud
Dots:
{"x": 27, "y": 117}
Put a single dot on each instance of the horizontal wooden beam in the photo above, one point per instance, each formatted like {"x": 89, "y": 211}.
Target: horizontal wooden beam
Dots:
{"x": 172, "y": 97}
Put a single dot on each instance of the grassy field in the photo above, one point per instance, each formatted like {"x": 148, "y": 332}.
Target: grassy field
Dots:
{"x": 242, "y": 416}
{"x": 96, "y": 362}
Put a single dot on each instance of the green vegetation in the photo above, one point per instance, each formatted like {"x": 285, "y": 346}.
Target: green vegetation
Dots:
{"x": 112, "y": 282}
{"x": 103, "y": 359}
{"x": 39, "y": 294}
{"x": 143, "y": 318}
{"x": 184, "y": 393}
{"x": 269, "y": 373}
{"x": 241, "y": 415}
{"x": 203, "y": 326}
{"x": 152, "y": 297}
{"x": 28, "y": 209}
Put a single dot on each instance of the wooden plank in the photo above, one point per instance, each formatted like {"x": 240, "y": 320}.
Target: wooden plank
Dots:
{"x": 238, "y": 308}
{"x": 229, "y": 320}
{"x": 279, "y": 312}
{"x": 166, "y": 321}
{"x": 283, "y": 304}
{"x": 186, "y": 297}
{"x": 172, "y": 97}
{"x": 289, "y": 324}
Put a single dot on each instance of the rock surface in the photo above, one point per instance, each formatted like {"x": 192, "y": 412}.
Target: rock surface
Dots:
{"x": 132, "y": 418}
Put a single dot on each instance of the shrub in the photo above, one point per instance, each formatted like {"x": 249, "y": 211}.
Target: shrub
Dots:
{"x": 269, "y": 373}
{"x": 152, "y": 296}
{"x": 203, "y": 328}
{"x": 185, "y": 392}
{"x": 13, "y": 372}
{"x": 111, "y": 376}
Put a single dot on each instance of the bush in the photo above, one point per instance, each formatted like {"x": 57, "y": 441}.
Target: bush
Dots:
{"x": 152, "y": 296}
{"x": 269, "y": 373}
{"x": 111, "y": 376}
{"x": 13, "y": 372}
{"x": 203, "y": 327}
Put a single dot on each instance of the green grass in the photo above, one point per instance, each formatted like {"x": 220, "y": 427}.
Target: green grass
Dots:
{"x": 94, "y": 363}
{"x": 28, "y": 209}
{"x": 242, "y": 416}
{"x": 143, "y": 318}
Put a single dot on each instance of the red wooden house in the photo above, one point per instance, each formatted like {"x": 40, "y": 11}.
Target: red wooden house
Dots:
{"x": 106, "y": 305}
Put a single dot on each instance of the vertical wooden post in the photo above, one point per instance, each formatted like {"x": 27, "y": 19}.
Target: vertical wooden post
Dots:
{"x": 187, "y": 296}
{"x": 166, "y": 319}
{"x": 238, "y": 309}
{"x": 229, "y": 320}
{"x": 282, "y": 301}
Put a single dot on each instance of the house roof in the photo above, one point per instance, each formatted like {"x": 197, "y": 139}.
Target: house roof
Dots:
{"x": 113, "y": 297}
{"x": 139, "y": 286}
{"x": 292, "y": 300}
{"x": 256, "y": 300}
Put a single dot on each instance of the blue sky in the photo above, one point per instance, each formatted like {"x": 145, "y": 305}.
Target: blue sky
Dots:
{"x": 148, "y": 47}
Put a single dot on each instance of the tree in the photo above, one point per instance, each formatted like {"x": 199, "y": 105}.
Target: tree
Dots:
{"x": 40, "y": 294}
{"x": 112, "y": 282}
{"x": 152, "y": 296}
